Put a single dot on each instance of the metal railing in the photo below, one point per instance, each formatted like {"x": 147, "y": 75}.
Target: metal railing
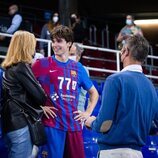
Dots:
{"x": 105, "y": 35}
{"x": 93, "y": 34}
{"x": 116, "y": 52}
{"x": 38, "y": 40}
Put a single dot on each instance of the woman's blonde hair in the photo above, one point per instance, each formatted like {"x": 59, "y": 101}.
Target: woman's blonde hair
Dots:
{"x": 21, "y": 48}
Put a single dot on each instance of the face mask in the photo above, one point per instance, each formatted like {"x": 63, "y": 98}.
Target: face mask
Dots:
{"x": 55, "y": 19}
{"x": 73, "y": 57}
{"x": 129, "y": 22}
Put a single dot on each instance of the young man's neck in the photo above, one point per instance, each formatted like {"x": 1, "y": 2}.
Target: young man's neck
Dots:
{"x": 62, "y": 58}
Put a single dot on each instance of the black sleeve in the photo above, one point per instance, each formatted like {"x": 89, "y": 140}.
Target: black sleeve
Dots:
{"x": 32, "y": 86}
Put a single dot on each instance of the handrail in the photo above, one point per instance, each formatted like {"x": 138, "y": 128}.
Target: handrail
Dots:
{"x": 92, "y": 34}
{"x": 105, "y": 30}
{"x": 38, "y": 39}
{"x": 152, "y": 57}
{"x": 117, "y": 52}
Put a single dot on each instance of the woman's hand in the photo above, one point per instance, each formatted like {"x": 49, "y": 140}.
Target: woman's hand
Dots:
{"x": 49, "y": 111}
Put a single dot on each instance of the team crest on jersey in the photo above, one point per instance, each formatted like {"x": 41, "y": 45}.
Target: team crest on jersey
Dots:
{"x": 73, "y": 73}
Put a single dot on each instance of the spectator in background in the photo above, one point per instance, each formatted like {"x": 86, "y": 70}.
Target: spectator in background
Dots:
{"x": 129, "y": 29}
{"x": 45, "y": 32}
{"x": 75, "y": 54}
{"x": 15, "y": 21}
{"x": 78, "y": 28}
{"x": 129, "y": 105}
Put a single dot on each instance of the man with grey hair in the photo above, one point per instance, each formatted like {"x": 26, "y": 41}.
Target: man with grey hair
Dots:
{"x": 129, "y": 105}
{"x": 76, "y": 51}
{"x": 75, "y": 54}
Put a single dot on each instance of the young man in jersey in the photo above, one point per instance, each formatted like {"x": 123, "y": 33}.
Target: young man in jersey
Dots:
{"x": 62, "y": 79}
{"x": 129, "y": 104}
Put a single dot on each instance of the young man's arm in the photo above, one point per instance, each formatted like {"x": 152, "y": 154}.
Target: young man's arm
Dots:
{"x": 93, "y": 98}
{"x": 93, "y": 95}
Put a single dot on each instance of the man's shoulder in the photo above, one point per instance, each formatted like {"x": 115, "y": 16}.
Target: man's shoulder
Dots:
{"x": 19, "y": 16}
{"x": 115, "y": 75}
{"x": 118, "y": 75}
{"x": 126, "y": 75}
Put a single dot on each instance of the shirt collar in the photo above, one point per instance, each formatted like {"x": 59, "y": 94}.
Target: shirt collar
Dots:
{"x": 134, "y": 67}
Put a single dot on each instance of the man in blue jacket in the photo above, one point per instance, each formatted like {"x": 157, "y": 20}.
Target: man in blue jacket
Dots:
{"x": 129, "y": 104}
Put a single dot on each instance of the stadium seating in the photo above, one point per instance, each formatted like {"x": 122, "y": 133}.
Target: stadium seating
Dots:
{"x": 150, "y": 150}
{"x": 90, "y": 143}
{"x": 3, "y": 149}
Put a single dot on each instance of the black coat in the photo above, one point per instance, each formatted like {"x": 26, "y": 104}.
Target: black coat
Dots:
{"x": 20, "y": 87}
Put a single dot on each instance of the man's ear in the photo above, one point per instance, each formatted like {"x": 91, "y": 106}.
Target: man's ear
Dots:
{"x": 127, "y": 52}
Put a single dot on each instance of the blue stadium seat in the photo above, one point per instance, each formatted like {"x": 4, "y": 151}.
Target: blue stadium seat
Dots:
{"x": 89, "y": 136}
{"x": 100, "y": 88}
{"x": 150, "y": 150}
{"x": 3, "y": 149}
{"x": 95, "y": 84}
{"x": 90, "y": 143}
{"x": 91, "y": 150}
{"x": 96, "y": 109}
{"x": 157, "y": 91}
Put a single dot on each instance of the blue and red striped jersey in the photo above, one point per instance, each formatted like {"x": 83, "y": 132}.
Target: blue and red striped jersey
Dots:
{"x": 62, "y": 82}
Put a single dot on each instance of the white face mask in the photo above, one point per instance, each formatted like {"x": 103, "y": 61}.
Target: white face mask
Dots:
{"x": 129, "y": 22}
{"x": 73, "y": 57}
{"x": 55, "y": 19}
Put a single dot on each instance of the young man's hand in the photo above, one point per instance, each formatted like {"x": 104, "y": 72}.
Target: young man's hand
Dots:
{"x": 81, "y": 116}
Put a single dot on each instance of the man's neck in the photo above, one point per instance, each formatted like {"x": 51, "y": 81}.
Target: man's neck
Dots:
{"x": 131, "y": 63}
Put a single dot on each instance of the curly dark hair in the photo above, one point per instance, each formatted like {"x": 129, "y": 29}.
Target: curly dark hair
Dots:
{"x": 62, "y": 31}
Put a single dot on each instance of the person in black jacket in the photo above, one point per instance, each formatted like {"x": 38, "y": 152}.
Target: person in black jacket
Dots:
{"x": 20, "y": 88}
{"x": 78, "y": 28}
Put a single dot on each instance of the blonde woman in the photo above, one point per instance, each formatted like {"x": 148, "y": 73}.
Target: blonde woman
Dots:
{"x": 19, "y": 87}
